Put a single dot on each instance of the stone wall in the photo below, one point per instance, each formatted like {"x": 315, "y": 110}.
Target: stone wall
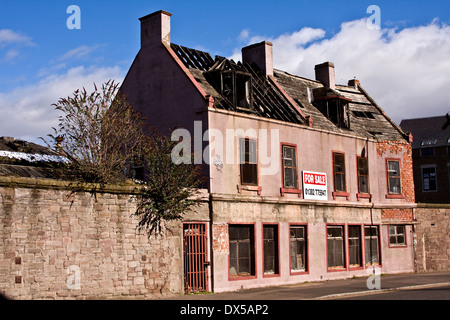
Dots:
{"x": 432, "y": 237}
{"x": 58, "y": 245}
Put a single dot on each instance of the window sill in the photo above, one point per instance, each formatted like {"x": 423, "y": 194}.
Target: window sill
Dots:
{"x": 298, "y": 272}
{"x": 364, "y": 196}
{"x": 395, "y": 196}
{"x": 271, "y": 275}
{"x": 336, "y": 269}
{"x": 340, "y": 194}
{"x": 241, "y": 277}
{"x": 258, "y": 189}
{"x": 291, "y": 190}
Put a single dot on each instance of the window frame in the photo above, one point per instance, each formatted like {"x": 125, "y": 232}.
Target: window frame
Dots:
{"x": 253, "y": 252}
{"x": 344, "y": 248}
{"x": 361, "y": 249}
{"x": 242, "y": 165}
{"x": 306, "y": 249}
{"x": 283, "y": 190}
{"x": 276, "y": 272}
{"x": 366, "y": 195}
{"x": 391, "y": 195}
{"x": 396, "y": 245}
{"x": 366, "y": 263}
{"x": 429, "y": 166}
{"x": 339, "y": 193}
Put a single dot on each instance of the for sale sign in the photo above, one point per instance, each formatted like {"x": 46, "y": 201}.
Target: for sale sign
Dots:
{"x": 314, "y": 185}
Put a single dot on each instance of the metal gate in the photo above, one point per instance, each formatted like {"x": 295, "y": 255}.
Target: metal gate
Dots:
{"x": 195, "y": 257}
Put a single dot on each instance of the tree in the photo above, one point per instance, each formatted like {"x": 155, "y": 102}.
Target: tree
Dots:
{"x": 169, "y": 189}
{"x": 99, "y": 132}
{"x": 103, "y": 137}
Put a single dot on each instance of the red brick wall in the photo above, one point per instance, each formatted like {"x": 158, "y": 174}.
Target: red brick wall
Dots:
{"x": 403, "y": 150}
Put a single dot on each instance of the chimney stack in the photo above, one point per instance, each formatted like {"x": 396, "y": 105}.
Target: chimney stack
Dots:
{"x": 155, "y": 29}
{"x": 353, "y": 83}
{"x": 260, "y": 54}
{"x": 325, "y": 74}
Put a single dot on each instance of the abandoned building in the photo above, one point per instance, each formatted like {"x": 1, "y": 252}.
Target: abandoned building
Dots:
{"x": 431, "y": 158}
{"x": 323, "y": 186}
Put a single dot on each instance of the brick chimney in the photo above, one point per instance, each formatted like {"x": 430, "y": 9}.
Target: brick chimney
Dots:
{"x": 325, "y": 74}
{"x": 260, "y": 54}
{"x": 155, "y": 28}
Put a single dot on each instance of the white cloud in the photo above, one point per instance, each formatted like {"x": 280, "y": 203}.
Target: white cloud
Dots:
{"x": 406, "y": 71}
{"x": 8, "y": 36}
{"x": 27, "y": 112}
{"x": 79, "y": 52}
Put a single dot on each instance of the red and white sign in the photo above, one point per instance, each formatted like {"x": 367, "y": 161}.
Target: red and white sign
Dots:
{"x": 314, "y": 185}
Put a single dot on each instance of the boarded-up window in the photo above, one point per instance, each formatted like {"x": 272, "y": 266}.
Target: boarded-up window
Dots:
{"x": 289, "y": 167}
{"x": 270, "y": 239}
{"x": 354, "y": 246}
{"x": 363, "y": 175}
{"x": 372, "y": 245}
{"x": 298, "y": 248}
{"x": 394, "y": 182}
{"x": 339, "y": 172}
{"x": 241, "y": 250}
{"x": 335, "y": 244}
{"x": 397, "y": 236}
{"x": 249, "y": 166}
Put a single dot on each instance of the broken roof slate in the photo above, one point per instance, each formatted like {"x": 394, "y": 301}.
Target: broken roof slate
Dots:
{"x": 270, "y": 102}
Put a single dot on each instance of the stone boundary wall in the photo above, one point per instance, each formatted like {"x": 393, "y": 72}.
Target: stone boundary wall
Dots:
{"x": 59, "y": 245}
{"x": 432, "y": 233}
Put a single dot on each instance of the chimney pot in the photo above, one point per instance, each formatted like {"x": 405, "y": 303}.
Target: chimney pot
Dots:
{"x": 353, "y": 83}
{"x": 325, "y": 74}
{"x": 155, "y": 28}
{"x": 260, "y": 54}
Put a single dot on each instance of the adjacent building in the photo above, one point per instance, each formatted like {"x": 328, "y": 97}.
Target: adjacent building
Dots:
{"x": 431, "y": 158}
{"x": 308, "y": 179}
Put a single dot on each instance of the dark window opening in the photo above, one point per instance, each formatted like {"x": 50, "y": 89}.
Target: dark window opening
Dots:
{"x": 372, "y": 245}
{"x": 363, "y": 175}
{"x": 290, "y": 167}
{"x": 335, "y": 245}
{"x": 427, "y": 152}
{"x": 354, "y": 246}
{"x": 429, "y": 179}
{"x": 270, "y": 239}
{"x": 249, "y": 165}
{"x": 336, "y": 110}
{"x": 339, "y": 172}
{"x": 242, "y": 250}
{"x": 298, "y": 248}
{"x": 397, "y": 236}
{"x": 394, "y": 180}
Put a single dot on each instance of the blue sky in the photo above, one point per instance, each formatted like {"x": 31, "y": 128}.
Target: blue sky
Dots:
{"x": 42, "y": 60}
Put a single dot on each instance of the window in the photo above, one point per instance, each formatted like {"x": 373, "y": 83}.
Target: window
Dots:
{"x": 371, "y": 245}
{"x": 354, "y": 246}
{"x": 290, "y": 180}
{"x": 242, "y": 250}
{"x": 270, "y": 241}
{"x": 335, "y": 245}
{"x": 339, "y": 172}
{"x": 249, "y": 167}
{"x": 394, "y": 180}
{"x": 427, "y": 152}
{"x": 397, "y": 236}
{"x": 363, "y": 175}
{"x": 298, "y": 248}
{"x": 429, "y": 178}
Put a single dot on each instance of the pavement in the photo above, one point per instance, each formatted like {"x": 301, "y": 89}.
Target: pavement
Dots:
{"x": 334, "y": 289}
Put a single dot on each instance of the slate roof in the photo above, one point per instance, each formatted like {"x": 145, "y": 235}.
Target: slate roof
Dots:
{"x": 26, "y": 159}
{"x": 367, "y": 119}
{"x": 428, "y": 132}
